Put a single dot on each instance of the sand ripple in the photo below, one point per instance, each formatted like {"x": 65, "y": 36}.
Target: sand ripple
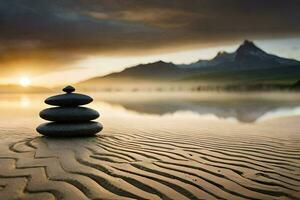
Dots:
{"x": 135, "y": 166}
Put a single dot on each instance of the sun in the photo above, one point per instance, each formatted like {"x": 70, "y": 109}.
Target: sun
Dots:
{"x": 24, "y": 81}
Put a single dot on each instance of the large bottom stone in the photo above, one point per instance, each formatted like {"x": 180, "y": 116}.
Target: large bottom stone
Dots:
{"x": 57, "y": 129}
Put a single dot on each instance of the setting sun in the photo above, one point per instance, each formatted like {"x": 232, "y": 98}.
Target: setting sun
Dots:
{"x": 24, "y": 81}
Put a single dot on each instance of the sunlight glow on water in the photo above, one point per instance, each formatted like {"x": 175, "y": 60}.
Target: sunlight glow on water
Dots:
{"x": 25, "y": 101}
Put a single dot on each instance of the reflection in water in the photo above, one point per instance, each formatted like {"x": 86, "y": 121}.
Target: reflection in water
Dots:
{"x": 248, "y": 108}
{"x": 25, "y": 101}
{"x": 241, "y": 113}
{"x": 240, "y": 108}
{"x": 280, "y": 112}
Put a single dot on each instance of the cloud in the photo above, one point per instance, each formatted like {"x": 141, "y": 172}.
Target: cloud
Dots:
{"x": 56, "y": 32}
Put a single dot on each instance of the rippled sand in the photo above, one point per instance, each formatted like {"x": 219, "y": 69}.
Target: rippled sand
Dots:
{"x": 148, "y": 156}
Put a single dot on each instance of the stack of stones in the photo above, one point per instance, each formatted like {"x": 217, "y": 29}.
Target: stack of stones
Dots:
{"x": 68, "y": 117}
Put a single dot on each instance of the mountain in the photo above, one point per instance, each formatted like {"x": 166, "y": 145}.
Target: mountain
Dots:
{"x": 247, "y": 56}
{"x": 160, "y": 69}
{"x": 220, "y": 59}
{"x": 248, "y": 64}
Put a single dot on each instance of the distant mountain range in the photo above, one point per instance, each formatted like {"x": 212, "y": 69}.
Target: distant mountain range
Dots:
{"x": 248, "y": 68}
{"x": 248, "y": 64}
{"x": 247, "y": 56}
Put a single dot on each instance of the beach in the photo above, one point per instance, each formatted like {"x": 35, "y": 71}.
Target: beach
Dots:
{"x": 178, "y": 147}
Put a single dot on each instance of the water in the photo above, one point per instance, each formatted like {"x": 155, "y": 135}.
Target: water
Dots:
{"x": 121, "y": 111}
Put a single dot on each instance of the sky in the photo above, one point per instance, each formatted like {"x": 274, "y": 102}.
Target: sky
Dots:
{"x": 48, "y": 41}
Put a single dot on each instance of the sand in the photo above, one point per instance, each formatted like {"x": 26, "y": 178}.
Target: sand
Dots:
{"x": 150, "y": 166}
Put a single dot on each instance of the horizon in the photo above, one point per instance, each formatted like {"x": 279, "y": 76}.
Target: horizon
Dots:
{"x": 25, "y": 81}
{"x": 44, "y": 42}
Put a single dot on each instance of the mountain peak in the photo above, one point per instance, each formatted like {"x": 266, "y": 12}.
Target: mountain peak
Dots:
{"x": 248, "y": 51}
{"x": 223, "y": 56}
{"x": 220, "y": 53}
{"x": 248, "y": 46}
{"x": 248, "y": 42}
{"x": 160, "y": 62}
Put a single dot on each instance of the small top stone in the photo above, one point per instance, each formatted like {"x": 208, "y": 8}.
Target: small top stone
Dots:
{"x": 69, "y": 89}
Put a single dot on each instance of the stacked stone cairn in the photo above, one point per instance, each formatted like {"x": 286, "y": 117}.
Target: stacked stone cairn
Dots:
{"x": 68, "y": 118}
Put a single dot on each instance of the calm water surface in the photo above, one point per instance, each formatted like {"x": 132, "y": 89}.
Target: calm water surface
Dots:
{"x": 171, "y": 112}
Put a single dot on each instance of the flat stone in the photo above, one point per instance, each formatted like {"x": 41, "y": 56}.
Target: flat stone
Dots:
{"x": 69, "y": 114}
{"x": 69, "y": 89}
{"x": 57, "y": 129}
{"x": 68, "y": 100}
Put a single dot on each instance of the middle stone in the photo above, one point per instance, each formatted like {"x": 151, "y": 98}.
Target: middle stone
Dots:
{"x": 69, "y": 114}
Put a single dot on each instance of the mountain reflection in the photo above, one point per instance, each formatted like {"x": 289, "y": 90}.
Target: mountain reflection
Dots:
{"x": 247, "y": 110}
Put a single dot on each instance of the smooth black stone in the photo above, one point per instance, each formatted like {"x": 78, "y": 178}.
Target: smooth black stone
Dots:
{"x": 69, "y": 89}
{"x": 57, "y": 129}
{"x": 69, "y": 99}
{"x": 69, "y": 114}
